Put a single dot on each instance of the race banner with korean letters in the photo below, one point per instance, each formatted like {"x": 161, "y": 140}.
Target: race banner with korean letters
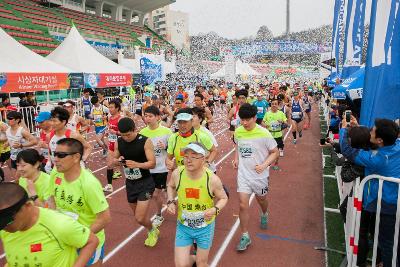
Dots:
{"x": 30, "y": 82}
{"x": 381, "y": 92}
{"x": 95, "y": 80}
{"x": 354, "y": 37}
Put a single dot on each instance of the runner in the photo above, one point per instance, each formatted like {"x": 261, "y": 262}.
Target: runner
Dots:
{"x": 196, "y": 187}
{"x": 34, "y": 181}
{"x": 307, "y": 101}
{"x": 165, "y": 111}
{"x": 102, "y": 100}
{"x": 255, "y": 151}
{"x": 273, "y": 121}
{"x": 31, "y": 238}
{"x": 44, "y": 122}
{"x": 262, "y": 106}
{"x": 4, "y": 148}
{"x": 199, "y": 103}
{"x": 114, "y": 109}
{"x": 159, "y": 137}
{"x": 59, "y": 119}
{"x": 75, "y": 123}
{"x": 76, "y": 192}
{"x": 18, "y": 138}
{"x": 87, "y": 106}
{"x": 233, "y": 118}
{"x": 297, "y": 116}
{"x": 136, "y": 153}
{"x": 185, "y": 135}
{"x": 138, "y": 107}
{"x": 98, "y": 114}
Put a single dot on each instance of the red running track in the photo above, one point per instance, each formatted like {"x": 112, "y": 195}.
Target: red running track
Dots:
{"x": 296, "y": 213}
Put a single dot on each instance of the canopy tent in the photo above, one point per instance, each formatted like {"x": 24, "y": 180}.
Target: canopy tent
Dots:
{"x": 331, "y": 79}
{"x": 22, "y": 70}
{"x": 352, "y": 86}
{"x": 99, "y": 71}
{"x": 132, "y": 64}
{"x": 241, "y": 69}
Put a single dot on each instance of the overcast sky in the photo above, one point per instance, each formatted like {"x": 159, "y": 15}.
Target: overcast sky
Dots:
{"x": 240, "y": 18}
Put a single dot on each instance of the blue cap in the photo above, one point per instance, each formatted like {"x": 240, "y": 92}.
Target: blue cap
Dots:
{"x": 43, "y": 116}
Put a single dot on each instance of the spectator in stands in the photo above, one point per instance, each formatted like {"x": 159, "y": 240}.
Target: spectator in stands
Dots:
{"x": 384, "y": 161}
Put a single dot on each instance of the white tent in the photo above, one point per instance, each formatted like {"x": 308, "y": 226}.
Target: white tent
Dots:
{"x": 16, "y": 58}
{"x": 241, "y": 69}
{"x": 132, "y": 64}
{"x": 75, "y": 53}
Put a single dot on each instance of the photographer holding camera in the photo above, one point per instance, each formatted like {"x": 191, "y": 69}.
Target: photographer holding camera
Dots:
{"x": 385, "y": 161}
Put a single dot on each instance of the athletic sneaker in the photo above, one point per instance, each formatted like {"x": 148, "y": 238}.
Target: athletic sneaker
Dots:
{"x": 275, "y": 168}
{"x": 301, "y": 134}
{"x": 264, "y": 221}
{"x": 280, "y": 153}
{"x": 116, "y": 175}
{"x": 158, "y": 220}
{"x": 152, "y": 237}
{"x": 108, "y": 188}
{"x": 244, "y": 243}
{"x": 294, "y": 141}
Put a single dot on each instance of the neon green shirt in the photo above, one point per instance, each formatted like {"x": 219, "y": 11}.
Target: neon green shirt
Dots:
{"x": 160, "y": 134}
{"x": 41, "y": 185}
{"x": 177, "y": 142}
{"x": 81, "y": 199}
{"x": 52, "y": 241}
{"x": 271, "y": 120}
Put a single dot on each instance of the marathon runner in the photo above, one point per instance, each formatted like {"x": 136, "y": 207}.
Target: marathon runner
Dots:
{"x": 87, "y": 106}
{"x": 4, "y": 148}
{"x": 76, "y": 192}
{"x": 165, "y": 111}
{"x": 44, "y": 123}
{"x": 136, "y": 154}
{"x": 199, "y": 103}
{"x": 255, "y": 151}
{"x": 75, "y": 123}
{"x": 233, "y": 118}
{"x": 159, "y": 136}
{"x": 102, "y": 100}
{"x": 297, "y": 116}
{"x": 31, "y": 238}
{"x": 98, "y": 114}
{"x": 307, "y": 101}
{"x": 201, "y": 197}
{"x": 262, "y": 106}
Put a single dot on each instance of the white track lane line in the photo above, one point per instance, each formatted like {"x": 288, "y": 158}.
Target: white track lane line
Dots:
{"x": 141, "y": 228}
{"x": 234, "y": 228}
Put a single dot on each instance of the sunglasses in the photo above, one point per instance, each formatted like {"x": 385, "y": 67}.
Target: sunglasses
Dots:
{"x": 62, "y": 155}
{"x": 8, "y": 118}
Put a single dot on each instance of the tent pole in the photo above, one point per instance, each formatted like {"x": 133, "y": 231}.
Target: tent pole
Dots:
{"x": 47, "y": 96}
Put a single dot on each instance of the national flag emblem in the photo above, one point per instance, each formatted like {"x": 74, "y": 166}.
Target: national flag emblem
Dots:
{"x": 192, "y": 193}
{"x": 36, "y": 248}
{"x": 58, "y": 180}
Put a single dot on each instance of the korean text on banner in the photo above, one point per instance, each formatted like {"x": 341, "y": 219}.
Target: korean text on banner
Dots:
{"x": 30, "y": 82}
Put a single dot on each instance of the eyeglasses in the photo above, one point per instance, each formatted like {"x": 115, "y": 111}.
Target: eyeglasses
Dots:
{"x": 62, "y": 155}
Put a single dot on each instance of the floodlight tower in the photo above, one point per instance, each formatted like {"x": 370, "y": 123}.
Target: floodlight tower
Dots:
{"x": 287, "y": 18}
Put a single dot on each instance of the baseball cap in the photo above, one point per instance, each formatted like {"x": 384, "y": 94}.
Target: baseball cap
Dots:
{"x": 43, "y": 116}
{"x": 184, "y": 117}
{"x": 197, "y": 148}
{"x": 154, "y": 97}
{"x": 69, "y": 103}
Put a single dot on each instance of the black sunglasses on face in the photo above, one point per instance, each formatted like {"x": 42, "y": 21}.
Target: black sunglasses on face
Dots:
{"x": 8, "y": 118}
{"x": 62, "y": 155}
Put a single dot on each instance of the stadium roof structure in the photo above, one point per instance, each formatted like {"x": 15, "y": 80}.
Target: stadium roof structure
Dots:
{"x": 143, "y": 6}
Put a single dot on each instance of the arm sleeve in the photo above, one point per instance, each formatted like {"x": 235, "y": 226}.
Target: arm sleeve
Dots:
{"x": 73, "y": 233}
{"x": 347, "y": 151}
{"x": 98, "y": 202}
{"x": 270, "y": 143}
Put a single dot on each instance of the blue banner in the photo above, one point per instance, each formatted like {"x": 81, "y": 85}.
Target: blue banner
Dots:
{"x": 150, "y": 72}
{"x": 338, "y": 38}
{"x": 334, "y": 32}
{"x": 381, "y": 92}
{"x": 353, "y": 37}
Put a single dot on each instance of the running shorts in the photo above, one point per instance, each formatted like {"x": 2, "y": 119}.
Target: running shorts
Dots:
{"x": 160, "y": 180}
{"x": 5, "y": 156}
{"x": 97, "y": 256}
{"x": 253, "y": 185}
{"x": 297, "y": 120}
{"x": 186, "y": 236}
{"x": 139, "y": 190}
{"x": 279, "y": 141}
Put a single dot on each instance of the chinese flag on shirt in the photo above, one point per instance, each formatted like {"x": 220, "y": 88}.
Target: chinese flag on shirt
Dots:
{"x": 58, "y": 180}
{"x": 36, "y": 247}
{"x": 192, "y": 193}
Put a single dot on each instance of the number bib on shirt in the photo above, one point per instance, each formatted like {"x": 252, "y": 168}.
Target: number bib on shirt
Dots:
{"x": 112, "y": 138}
{"x": 86, "y": 108}
{"x": 193, "y": 219}
{"x": 157, "y": 152}
{"x": 275, "y": 126}
{"x": 14, "y": 152}
{"x": 132, "y": 174}
{"x": 296, "y": 115}
{"x": 246, "y": 151}
{"x": 260, "y": 110}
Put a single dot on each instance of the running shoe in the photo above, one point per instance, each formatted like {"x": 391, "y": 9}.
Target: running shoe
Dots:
{"x": 244, "y": 243}
{"x": 158, "y": 220}
{"x": 275, "y": 168}
{"x": 116, "y": 175}
{"x": 301, "y": 134}
{"x": 152, "y": 237}
{"x": 264, "y": 221}
{"x": 108, "y": 188}
{"x": 294, "y": 141}
{"x": 280, "y": 153}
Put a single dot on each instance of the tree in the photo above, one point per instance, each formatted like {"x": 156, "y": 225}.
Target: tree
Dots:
{"x": 264, "y": 33}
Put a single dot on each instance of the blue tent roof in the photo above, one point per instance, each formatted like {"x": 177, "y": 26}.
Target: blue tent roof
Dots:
{"x": 331, "y": 80}
{"x": 352, "y": 86}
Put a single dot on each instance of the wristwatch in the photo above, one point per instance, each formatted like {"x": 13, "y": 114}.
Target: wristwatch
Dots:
{"x": 171, "y": 201}
{"x": 217, "y": 210}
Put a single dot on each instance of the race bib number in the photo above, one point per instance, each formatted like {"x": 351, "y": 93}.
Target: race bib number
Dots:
{"x": 14, "y": 153}
{"x": 86, "y": 108}
{"x": 275, "y": 126}
{"x": 98, "y": 119}
{"x": 132, "y": 174}
{"x": 296, "y": 115}
{"x": 307, "y": 105}
{"x": 193, "y": 219}
{"x": 74, "y": 216}
{"x": 112, "y": 138}
{"x": 260, "y": 110}
{"x": 246, "y": 151}
{"x": 157, "y": 152}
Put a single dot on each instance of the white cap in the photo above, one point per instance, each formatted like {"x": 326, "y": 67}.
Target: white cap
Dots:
{"x": 196, "y": 148}
{"x": 184, "y": 117}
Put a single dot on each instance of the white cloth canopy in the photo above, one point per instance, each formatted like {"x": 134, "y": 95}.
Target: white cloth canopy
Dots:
{"x": 132, "y": 64}
{"x": 75, "y": 53}
{"x": 16, "y": 58}
{"x": 241, "y": 69}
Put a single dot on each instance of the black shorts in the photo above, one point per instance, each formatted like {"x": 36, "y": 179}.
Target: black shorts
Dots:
{"x": 160, "y": 180}
{"x": 223, "y": 102}
{"x": 5, "y": 156}
{"x": 259, "y": 121}
{"x": 297, "y": 120}
{"x": 14, "y": 164}
{"x": 279, "y": 141}
{"x": 87, "y": 116}
{"x": 139, "y": 190}
{"x": 138, "y": 112}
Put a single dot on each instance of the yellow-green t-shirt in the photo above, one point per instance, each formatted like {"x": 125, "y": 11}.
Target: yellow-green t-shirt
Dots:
{"x": 273, "y": 126}
{"x": 81, "y": 199}
{"x": 41, "y": 185}
{"x": 52, "y": 241}
{"x": 176, "y": 143}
